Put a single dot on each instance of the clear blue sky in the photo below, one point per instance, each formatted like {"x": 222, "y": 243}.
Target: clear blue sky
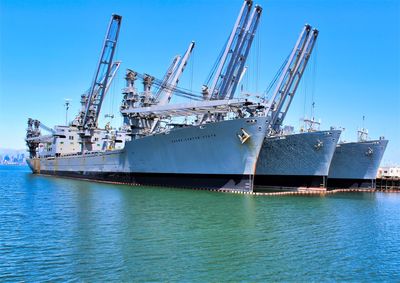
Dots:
{"x": 49, "y": 50}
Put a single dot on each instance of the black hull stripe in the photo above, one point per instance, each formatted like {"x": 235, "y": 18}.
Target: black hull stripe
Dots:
{"x": 289, "y": 181}
{"x": 336, "y": 183}
{"x": 190, "y": 181}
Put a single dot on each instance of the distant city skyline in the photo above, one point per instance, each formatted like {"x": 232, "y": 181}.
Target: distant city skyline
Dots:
{"x": 49, "y": 49}
{"x": 12, "y": 157}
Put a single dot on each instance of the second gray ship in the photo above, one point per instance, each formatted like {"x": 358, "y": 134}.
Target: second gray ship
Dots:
{"x": 296, "y": 160}
{"x": 289, "y": 160}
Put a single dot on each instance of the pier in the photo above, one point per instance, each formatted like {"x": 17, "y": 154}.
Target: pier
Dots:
{"x": 388, "y": 184}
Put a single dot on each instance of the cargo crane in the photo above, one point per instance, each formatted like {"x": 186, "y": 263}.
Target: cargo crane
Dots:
{"x": 105, "y": 71}
{"x": 235, "y": 71}
{"x": 231, "y": 63}
{"x": 34, "y": 136}
{"x": 78, "y": 121}
{"x": 170, "y": 71}
{"x": 290, "y": 78}
{"x": 167, "y": 86}
{"x": 229, "y": 56}
{"x": 172, "y": 82}
{"x": 167, "y": 90}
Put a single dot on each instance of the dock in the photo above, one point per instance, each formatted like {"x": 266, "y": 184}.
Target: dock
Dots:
{"x": 388, "y": 184}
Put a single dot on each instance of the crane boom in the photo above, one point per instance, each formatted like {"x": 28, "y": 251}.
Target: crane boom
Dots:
{"x": 170, "y": 71}
{"x": 231, "y": 47}
{"x": 99, "y": 85}
{"x": 113, "y": 71}
{"x": 291, "y": 76}
{"x": 234, "y": 76}
{"x": 46, "y": 128}
{"x": 166, "y": 95}
{"x": 171, "y": 80}
{"x": 236, "y": 52}
{"x": 298, "y": 75}
{"x": 78, "y": 121}
{"x": 290, "y": 64}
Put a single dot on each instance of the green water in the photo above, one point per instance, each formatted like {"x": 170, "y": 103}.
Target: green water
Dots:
{"x": 58, "y": 230}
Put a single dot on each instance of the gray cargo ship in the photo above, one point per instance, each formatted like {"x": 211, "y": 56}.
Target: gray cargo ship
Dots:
{"x": 218, "y": 149}
{"x": 209, "y": 156}
{"x": 296, "y": 160}
{"x": 355, "y": 164}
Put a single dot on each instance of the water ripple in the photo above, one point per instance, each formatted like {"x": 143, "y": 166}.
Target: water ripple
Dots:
{"x": 63, "y": 230}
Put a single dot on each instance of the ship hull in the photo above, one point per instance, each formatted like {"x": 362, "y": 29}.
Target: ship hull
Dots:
{"x": 296, "y": 160}
{"x": 355, "y": 164}
{"x": 210, "y": 156}
{"x": 190, "y": 181}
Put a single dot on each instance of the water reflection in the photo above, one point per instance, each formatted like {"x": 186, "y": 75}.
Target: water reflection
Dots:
{"x": 62, "y": 229}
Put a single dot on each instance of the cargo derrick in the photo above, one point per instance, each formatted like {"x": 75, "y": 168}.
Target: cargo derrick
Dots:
{"x": 168, "y": 75}
{"x": 137, "y": 124}
{"x": 79, "y": 119}
{"x": 34, "y": 136}
{"x": 231, "y": 64}
{"x": 87, "y": 119}
{"x": 228, "y": 62}
{"x": 235, "y": 72}
{"x": 290, "y": 78}
{"x": 166, "y": 93}
{"x": 168, "y": 88}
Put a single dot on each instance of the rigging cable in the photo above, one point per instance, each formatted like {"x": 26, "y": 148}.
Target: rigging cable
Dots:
{"x": 258, "y": 60}
{"x": 116, "y": 78}
{"x": 192, "y": 70}
{"x": 214, "y": 67}
{"x": 177, "y": 90}
{"x": 314, "y": 78}
{"x": 305, "y": 90}
{"x": 275, "y": 78}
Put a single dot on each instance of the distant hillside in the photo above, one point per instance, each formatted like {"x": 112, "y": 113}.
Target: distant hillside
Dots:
{"x": 9, "y": 151}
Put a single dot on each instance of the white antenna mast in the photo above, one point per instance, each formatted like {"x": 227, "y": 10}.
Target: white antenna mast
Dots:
{"x": 66, "y": 105}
